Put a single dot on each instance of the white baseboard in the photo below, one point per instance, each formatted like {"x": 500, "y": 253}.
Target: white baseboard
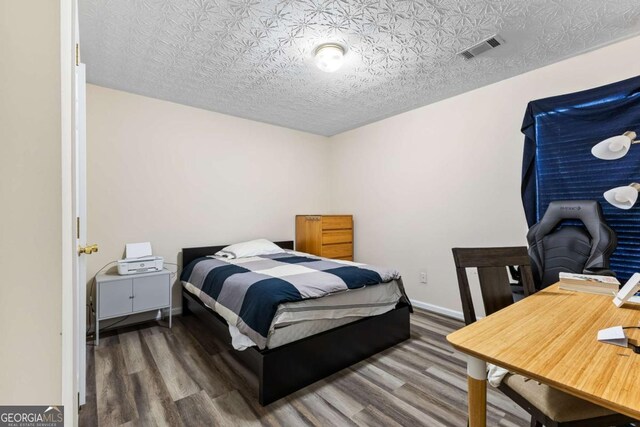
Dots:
{"x": 438, "y": 309}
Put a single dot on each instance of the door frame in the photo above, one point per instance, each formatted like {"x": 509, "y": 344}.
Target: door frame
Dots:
{"x": 69, "y": 328}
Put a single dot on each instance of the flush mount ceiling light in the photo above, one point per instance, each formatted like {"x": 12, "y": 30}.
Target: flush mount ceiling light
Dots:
{"x": 329, "y": 57}
{"x": 615, "y": 147}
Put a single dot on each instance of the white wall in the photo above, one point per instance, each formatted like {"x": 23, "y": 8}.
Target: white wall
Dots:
{"x": 30, "y": 197}
{"x": 418, "y": 184}
{"x": 179, "y": 176}
{"x": 448, "y": 174}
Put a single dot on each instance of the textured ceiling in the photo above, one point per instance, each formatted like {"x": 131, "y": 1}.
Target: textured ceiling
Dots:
{"x": 253, "y": 58}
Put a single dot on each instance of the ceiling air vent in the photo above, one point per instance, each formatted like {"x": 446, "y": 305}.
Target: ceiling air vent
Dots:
{"x": 485, "y": 45}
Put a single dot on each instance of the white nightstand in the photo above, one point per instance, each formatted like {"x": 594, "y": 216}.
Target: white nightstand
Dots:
{"x": 118, "y": 296}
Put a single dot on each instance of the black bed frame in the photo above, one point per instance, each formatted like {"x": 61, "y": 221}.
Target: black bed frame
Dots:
{"x": 285, "y": 369}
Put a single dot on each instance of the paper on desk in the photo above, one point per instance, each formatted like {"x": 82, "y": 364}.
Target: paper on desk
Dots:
{"x": 634, "y": 300}
{"x": 613, "y": 336}
{"x": 138, "y": 250}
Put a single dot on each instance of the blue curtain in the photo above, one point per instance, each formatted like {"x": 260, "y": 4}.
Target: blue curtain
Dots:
{"x": 558, "y": 164}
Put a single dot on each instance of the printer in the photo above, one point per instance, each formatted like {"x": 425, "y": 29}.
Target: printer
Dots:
{"x": 139, "y": 259}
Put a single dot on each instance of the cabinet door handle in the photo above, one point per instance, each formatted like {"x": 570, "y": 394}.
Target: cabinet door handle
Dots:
{"x": 131, "y": 297}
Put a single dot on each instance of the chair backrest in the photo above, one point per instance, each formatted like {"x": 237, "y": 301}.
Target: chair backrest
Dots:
{"x": 570, "y": 248}
{"x": 492, "y": 264}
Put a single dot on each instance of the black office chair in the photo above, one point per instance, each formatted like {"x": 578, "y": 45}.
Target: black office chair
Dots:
{"x": 570, "y": 248}
{"x": 547, "y": 406}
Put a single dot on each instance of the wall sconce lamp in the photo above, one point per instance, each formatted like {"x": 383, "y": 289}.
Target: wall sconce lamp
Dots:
{"x": 615, "y": 147}
{"x": 623, "y": 197}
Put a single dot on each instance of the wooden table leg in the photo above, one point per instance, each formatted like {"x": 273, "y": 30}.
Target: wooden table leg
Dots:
{"x": 477, "y": 394}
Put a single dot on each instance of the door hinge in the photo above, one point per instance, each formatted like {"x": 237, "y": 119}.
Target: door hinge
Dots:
{"x": 78, "y": 227}
{"x": 77, "y": 54}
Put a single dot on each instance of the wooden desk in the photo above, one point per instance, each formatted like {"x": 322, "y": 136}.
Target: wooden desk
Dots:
{"x": 551, "y": 337}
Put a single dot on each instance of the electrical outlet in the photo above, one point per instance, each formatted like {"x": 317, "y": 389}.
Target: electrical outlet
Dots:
{"x": 423, "y": 277}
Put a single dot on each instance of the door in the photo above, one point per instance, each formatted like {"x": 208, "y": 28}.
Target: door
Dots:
{"x": 115, "y": 298}
{"x": 73, "y": 163}
{"x": 80, "y": 211}
{"x": 151, "y": 292}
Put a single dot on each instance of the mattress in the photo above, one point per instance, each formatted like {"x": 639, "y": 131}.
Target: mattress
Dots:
{"x": 297, "y": 320}
{"x": 351, "y": 303}
{"x": 297, "y": 331}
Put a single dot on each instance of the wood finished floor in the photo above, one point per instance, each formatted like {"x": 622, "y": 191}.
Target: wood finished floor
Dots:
{"x": 150, "y": 375}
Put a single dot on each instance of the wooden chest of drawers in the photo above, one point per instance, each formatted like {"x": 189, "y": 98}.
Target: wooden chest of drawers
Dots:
{"x": 330, "y": 236}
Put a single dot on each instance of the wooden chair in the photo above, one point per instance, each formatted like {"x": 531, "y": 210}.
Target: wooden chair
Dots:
{"x": 548, "y": 406}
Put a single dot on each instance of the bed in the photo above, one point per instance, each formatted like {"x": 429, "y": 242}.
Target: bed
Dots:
{"x": 291, "y": 360}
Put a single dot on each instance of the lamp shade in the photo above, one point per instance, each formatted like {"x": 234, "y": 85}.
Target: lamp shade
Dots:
{"x": 623, "y": 197}
{"x": 612, "y": 148}
{"x": 615, "y": 147}
{"x": 329, "y": 57}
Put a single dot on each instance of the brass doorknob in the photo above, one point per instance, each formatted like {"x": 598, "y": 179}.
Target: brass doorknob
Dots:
{"x": 88, "y": 250}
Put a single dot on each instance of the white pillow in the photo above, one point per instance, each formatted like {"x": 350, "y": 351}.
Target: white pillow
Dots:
{"x": 250, "y": 248}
